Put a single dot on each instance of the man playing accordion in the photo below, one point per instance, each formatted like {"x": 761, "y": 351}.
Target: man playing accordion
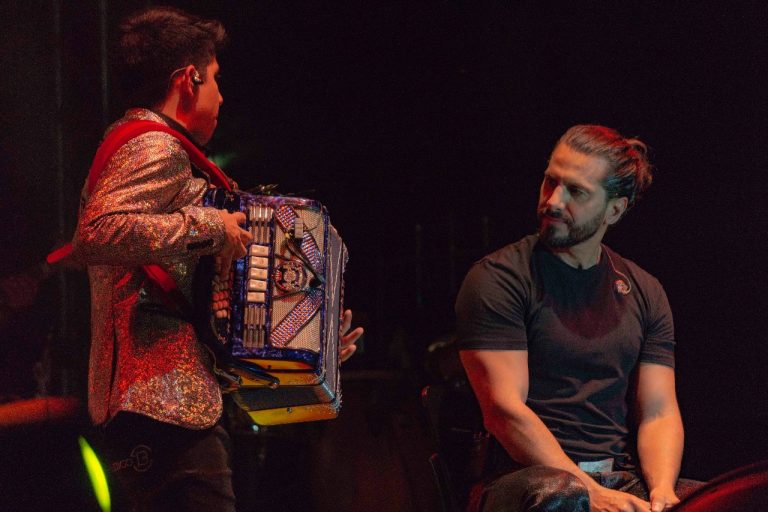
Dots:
{"x": 151, "y": 384}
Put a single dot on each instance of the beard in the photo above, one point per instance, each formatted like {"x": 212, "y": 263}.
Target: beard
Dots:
{"x": 575, "y": 233}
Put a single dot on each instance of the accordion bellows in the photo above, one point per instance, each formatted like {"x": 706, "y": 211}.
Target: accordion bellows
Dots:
{"x": 278, "y": 314}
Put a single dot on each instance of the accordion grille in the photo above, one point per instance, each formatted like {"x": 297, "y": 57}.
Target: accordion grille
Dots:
{"x": 282, "y": 304}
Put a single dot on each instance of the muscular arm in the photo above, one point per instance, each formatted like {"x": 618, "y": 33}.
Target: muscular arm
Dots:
{"x": 500, "y": 381}
{"x": 660, "y": 432}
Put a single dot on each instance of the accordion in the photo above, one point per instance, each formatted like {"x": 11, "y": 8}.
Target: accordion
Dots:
{"x": 276, "y": 318}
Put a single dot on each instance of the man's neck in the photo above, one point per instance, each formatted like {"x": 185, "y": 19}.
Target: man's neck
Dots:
{"x": 172, "y": 108}
{"x": 169, "y": 110}
{"x": 584, "y": 255}
{"x": 181, "y": 129}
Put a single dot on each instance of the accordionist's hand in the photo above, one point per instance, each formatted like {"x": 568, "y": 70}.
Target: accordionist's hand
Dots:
{"x": 234, "y": 243}
{"x": 347, "y": 340}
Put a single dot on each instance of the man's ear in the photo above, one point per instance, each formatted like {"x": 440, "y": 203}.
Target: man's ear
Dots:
{"x": 616, "y": 208}
{"x": 188, "y": 81}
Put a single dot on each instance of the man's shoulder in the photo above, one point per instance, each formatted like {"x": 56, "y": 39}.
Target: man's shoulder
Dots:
{"x": 506, "y": 269}
{"x": 149, "y": 140}
{"x": 514, "y": 257}
{"x": 137, "y": 114}
{"x": 491, "y": 304}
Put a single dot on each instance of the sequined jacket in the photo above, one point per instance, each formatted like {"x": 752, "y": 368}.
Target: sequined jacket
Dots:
{"x": 146, "y": 208}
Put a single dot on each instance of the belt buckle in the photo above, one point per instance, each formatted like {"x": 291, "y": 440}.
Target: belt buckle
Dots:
{"x": 597, "y": 466}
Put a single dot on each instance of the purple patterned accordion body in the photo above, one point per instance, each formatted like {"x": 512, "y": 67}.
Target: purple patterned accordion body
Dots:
{"x": 278, "y": 315}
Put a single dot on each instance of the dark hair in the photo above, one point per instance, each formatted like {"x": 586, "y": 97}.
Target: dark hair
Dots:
{"x": 629, "y": 172}
{"x": 157, "y": 41}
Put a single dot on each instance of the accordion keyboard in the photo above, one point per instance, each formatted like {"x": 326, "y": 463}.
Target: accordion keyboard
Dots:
{"x": 255, "y": 311}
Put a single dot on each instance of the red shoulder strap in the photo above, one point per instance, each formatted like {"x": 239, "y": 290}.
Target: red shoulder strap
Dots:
{"x": 118, "y": 137}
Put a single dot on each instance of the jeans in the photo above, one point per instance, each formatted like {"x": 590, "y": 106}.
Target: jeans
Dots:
{"x": 153, "y": 466}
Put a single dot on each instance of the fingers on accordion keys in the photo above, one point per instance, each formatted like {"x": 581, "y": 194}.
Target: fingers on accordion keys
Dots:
{"x": 265, "y": 214}
{"x": 252, "y": 219}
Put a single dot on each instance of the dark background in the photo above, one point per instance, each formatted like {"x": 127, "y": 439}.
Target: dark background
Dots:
{"x": 425, "y": 129}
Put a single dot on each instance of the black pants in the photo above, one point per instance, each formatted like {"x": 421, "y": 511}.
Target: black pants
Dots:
{"x": 547, "y": 489}
{"x": 156, "y": 466}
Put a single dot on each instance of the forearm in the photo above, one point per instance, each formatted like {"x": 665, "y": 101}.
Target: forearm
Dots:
{"x": 528, "y": 441}
{"x": 660, "y": 448}
{"x": 500, "y": 381}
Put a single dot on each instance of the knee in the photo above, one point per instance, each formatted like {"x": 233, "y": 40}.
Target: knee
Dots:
{"x": 539, "y": 489}
{"x": 555, "y": 489}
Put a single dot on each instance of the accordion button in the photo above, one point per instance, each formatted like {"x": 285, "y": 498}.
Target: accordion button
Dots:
{"x": 259, "y": 250}
{"x": 256, "y": 285}
{"x": 259, "y": 262}
{"x": 255, "y": 297}
{"x": 257, "y": 273}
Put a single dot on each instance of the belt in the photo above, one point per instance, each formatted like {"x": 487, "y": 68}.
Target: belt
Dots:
{"x": 597, "y": 466}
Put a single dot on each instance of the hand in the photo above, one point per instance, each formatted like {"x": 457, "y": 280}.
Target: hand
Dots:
{"x": 663, "y": 498}
{"x": 347, "y": 341}
{"x": 234, "y": 243}
{"x": 602, "y": 499}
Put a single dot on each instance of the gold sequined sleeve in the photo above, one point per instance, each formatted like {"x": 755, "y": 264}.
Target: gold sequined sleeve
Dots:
{"x": 146, "y": 208}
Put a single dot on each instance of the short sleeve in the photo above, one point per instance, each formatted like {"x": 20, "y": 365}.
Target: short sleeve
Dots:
{"x": 490, "y": 309}
{"x": 659, "y": 343}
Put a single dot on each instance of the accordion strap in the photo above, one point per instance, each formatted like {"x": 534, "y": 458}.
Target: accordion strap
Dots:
{"x": 132, "y": 129}
{"x": 118, "y": 137}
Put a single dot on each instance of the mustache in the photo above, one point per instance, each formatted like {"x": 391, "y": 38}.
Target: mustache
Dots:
{"x": 553, "y": 214}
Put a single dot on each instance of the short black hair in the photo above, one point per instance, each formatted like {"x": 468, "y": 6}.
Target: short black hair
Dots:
{"x": 155, "y": 42}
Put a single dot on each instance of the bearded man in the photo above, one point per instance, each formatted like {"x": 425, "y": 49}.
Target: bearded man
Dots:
{"x": 560, "y": 337}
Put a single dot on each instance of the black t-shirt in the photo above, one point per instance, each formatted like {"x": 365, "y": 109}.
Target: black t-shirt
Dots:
{"x": 583, "y": 336}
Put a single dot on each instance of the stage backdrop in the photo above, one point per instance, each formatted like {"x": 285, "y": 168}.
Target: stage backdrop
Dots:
{"x": 425, "y": 129}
